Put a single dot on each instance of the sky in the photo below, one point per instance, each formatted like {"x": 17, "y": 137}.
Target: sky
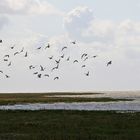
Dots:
{"x": 109, "y": 29}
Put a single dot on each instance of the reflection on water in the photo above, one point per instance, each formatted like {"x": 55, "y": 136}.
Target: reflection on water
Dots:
{"x": 127, "y": 105}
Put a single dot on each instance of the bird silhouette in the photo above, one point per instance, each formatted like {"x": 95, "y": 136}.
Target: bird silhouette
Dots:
{"x": 1, "y": 71}
{"x": 12, "y": 47}
{"x": 39, "y": 75}
{"x": 38, "y": 48}
{"x": 55, "y": 67}
{"x": 51, "y": 57}
{"x": 87, "y": 74}
{"x": 83, "y": 55}
{"x": 48, "y": 46}
{"x": 0, "y": 41}
{"x": 62, "y": 56}
{"x": 56, "y": 78}
{"x": 7, "y": 76}
{"x": 57, "y": 61}
{"x": 75, "y": 61}
{"x": 73, "y": 42}
{"x": 26, "y": 54}
{"x": 16, "y": 53}
{"x": 35, "y": 73}
{"x": 6, "y": 56}
{"x": 85, "y": 58}
{"x": 9, "y": 64}
{"x": 46, "y": 75}
{"x": 109, "y": 63}
{"x": 83, "y": 66}
{"x": 22, "y": 50}
{"x": 68, "y": 58}
{"x": 5, "y": 59}
{"x": 64, "y": 48}
{"x": 94, "y": 56}
{"x": 42, "y": 68}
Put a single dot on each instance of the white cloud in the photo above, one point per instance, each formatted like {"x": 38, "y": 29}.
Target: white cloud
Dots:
{"x": 27, "y": 7}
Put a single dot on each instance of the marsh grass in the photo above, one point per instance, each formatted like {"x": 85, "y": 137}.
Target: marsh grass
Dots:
{"x": 69, "y": 125}
{"x": 22, "y": 98}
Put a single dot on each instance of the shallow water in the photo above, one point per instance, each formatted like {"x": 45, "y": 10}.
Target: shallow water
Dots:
{"x": 122, "y": 106}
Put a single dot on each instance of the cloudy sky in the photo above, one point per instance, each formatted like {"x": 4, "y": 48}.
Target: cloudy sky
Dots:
{"x": 107, "y": 28}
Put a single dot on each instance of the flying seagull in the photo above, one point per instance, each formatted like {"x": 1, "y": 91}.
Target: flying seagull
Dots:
{"x": 9, "y": 64}
{"x": 0, "y": 41}
{"x": 73, "y": 42}
{"x": 39, "y": 75}
{"x": 26, "y": 54}
{"x": 75, "y": 61}
{"x": 56, "y": 78}
{"x": 64, "y": 48}
{"x": 48, "y": 46}
{"x": 87, "y": 74}
{"x": 109, "y": 63}
{"x": 41, "y": 68}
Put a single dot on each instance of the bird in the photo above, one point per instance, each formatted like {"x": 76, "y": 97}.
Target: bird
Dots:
{"x": 51, "y": 57}
{"x": 1, "y": 71}
{"x": 5, "y": 59}
{"x": 46, "y": 75}
{"x": 35, "y": 73}
{"x": 87, "y": 74}
{"x": 75, "y": 61}
{"x": 39, "y": 75}
{"x": 16, "y": 53}
{"x": 22, "y": 50}
{"x": 62, "y": 56}
{"x": 68, "y": 58}
{"x": 12, "y": 47}
{"x": 109, "y": 63}
{"x": 0, "y": 41}
{"x": 31, "y": 67}
{"x": 9, "y": 64}
{"x": 85, "y": 58}
{"x": 56, "y": 78}
{"x": 7, "y": 55}
{"x": 38, "y": 48}
{"x": 64, "y": 48}
{"x": 83, "y": 55}
{"x": 83, "y": 66}
{"x": 48, "y": 46}
{"x": 57, "y": 61}
{"x": 94, "y": 56}
{"x": 73, "y": 42}
{"x": 55, "y": 67}
{"x": 7, "y": 76}
{"x": 42, "y": 68}
{"x": 26, "y": 54}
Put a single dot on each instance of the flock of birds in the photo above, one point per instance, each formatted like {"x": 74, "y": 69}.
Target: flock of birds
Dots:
{"x": 39, "y": 69}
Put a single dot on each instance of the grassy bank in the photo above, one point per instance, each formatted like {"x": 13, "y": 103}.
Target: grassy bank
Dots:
{"x": 69, "y": 125}
{"x": 50, "y": 98}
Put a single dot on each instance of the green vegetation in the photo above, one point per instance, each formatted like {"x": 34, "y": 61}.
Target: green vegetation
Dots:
{"x": 50, "y": 98}
{"x": 69, "y": 125}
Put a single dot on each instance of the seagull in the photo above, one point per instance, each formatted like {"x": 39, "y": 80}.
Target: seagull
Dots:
{"x": 94, "y": 56}
{"x": 48, "y": 46}
{"x": 83, "y": 66}
{"x": 7, "y": 76}
{"x": 0, "y": 41}
{"x": 68, "y": 58}
{"x": 87, "y": 74}
{"x": 62, "y": 56}
{"x": 7, "y": 55}
{"x": 64, "y": 48}
{"x": 35, "y": 73}
{"x": 75, "y": 61}
{"x": 1, "y": 71}
{"x": 22, "y": 50}
{"x": 85, "y": 58}
{"x": 109, "y": 63}
{"x": 5, "y": 59}
{"x": 9, "y": 64}
{"x": 31, "y": 67}
{"x": 55, "y": 67}
{"x": 73, "y": 42}
{"x": 39, "y": 75}
{"x": 46, "y": 75}
{"x": 16, "y": 53}
{"x": 56, "y": 78}
{"x": 41, "y": 68}
{"x": 13, "y": 47}
{"x": 51, "y": 57}
{"x": 57, "y": 61}
{"x": 38, "y": 48}
{"x": 84, "y": 54}
{"x": 26, "y": 54}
